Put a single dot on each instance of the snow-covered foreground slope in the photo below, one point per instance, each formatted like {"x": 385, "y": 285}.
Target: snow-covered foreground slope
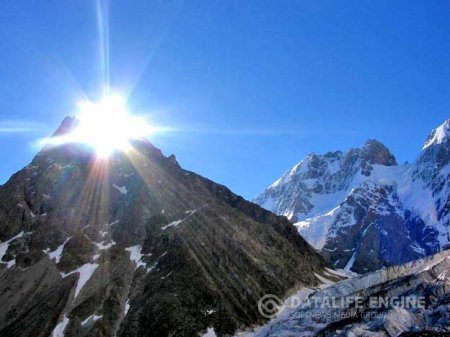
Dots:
{"x": 414, "y": 297}
{"x": 362, "y": 211}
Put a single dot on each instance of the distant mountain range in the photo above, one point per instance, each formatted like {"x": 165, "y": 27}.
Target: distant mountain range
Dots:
{"x": 362, "y": 211}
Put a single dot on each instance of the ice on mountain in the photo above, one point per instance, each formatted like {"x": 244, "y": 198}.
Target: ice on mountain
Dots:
{"x": 418, "y": 249}
{"x": 438, "y": 135}
{"x": 188, "y": 213}
{"x": 315, "y": 230}
{"x": 324, "y": 203}
{"x": 336, "y": 272}
{"x": 399, "y": 320}
{"x": 127, "y": 307}
{"x": 92, "y": 318}
{"x": 136, "y": 255}
{"x": 366, "y": 229}
{"x": 105, "y": 246}
{"x": 4, "y": 245}
{"x": 350, "y": 262}
{"x": 210, "y": 333}
{"x": 172, "y": 224}
{"x": 417, "y": 197}
{"x": 323, "y": 193}
{"x": 85, "y": 273}
{"x": 57, "y": 253}
{"x": 324, "y": 280}
{"x": 115, "y": 222}
{"x": 61, "y": 327}
{"x": 299, "y": 319}
{"x": 121, "y": 189}
{"x": 269, "y": 203}
{"x": 164, "y": 277}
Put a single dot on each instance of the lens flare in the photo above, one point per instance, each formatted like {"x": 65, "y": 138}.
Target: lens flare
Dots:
{"x": 106, "y": 126}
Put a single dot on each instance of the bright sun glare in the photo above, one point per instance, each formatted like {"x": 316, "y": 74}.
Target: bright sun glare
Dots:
{"x": 107, "y": 126}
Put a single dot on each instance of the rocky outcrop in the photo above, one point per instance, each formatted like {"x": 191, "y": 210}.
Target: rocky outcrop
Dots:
{"x": 373, "y": 153}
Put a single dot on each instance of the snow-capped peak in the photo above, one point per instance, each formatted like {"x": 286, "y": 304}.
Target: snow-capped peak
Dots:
{"x": 349, "y": 205}
{"x": 438, "y": 135}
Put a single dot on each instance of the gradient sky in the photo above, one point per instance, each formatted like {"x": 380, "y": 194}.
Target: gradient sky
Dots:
{"x": 249, "y": 87}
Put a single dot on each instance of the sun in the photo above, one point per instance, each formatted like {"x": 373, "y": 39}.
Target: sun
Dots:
{"x": 107, "y": 125}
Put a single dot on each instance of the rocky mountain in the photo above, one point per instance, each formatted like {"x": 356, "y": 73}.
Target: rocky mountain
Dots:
{"x": 351, "y": 205}
{"x": 410, "y": 300}
{"x": 136, "y": 246}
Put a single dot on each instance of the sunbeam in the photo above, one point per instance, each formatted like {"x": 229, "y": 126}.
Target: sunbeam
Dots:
{"x": 102, "y": 7}
{"x": 105, "y": 126}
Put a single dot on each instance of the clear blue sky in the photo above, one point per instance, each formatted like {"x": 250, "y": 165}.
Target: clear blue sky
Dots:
{"x": 251, "y": 87}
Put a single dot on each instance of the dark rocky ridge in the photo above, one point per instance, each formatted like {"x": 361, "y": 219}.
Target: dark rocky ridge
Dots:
{"x": 205, "y": 255}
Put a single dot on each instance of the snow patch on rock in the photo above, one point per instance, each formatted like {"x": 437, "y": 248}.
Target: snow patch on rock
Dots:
{"x": 92, "y": 318}
{"x": 121, "y": 189}
{"x": 57, "y": 253}
{"x": 59, "y": 329}
{"x": 85, "y": 273}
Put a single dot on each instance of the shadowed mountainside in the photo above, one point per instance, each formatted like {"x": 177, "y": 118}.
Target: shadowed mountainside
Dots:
{"x": 134, "y": 245}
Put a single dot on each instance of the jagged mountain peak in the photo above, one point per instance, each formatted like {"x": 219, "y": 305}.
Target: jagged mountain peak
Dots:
{"x": 435, "y": 153}
{"x": 327, "y": 173}
{"x": 439, "y": 135}
{"x": 62, "y": 145}
{"x": 313, "y": 163}
{"x": 374, "y": 152}
{"x": 68, "y": 124}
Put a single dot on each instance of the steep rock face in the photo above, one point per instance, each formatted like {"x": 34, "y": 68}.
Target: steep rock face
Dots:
{"x": 136, "y": 246}
{"x": 360, "y": 235}
{"x": 412, "y": 203}
{"x": 374, "y": 152}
